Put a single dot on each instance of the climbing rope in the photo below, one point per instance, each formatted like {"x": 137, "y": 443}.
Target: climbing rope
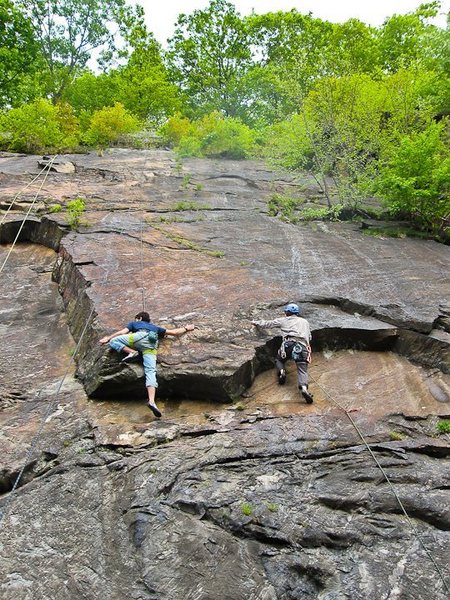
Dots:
{"x": 28, "y": 213}
{"x": 51, "y": 408}
{"x": 20, "y": 192}
{"x": 388, "y": 481}
{"x": 53, "y": 404}
{"x": 142, "y": 266}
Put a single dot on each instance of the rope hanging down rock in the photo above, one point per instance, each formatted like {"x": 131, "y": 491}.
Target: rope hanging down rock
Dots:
{"x": 29, "y": 210}
{"x": 388, "y": 481}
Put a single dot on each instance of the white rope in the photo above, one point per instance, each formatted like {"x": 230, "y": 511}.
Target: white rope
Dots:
{"x": 20, "y": 192}
{"x": 142, "y": 267}
{"x": 52, "y": 405}
{"x": 27, "y": 215}
{"x": 388, "y": 481}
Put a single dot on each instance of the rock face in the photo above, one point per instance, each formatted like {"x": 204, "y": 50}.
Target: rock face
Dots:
{"x": 266, "y": 498}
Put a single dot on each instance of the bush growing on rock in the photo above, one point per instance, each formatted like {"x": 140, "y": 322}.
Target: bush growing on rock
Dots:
{"x": 108, "y": 124}
{"x": 39, "y": 127}
{"x": 213, "y": 135}
{"x": 415, "y": 179}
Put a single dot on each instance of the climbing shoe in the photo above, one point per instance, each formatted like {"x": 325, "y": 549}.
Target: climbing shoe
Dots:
{"x": 154, "y": 410}
{"x": 131, "y": 356}
{"x": 306, "y": 395}
{"x": 281, "y": 377}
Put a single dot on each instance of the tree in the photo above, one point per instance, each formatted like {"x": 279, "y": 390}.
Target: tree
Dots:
{"x": 39, "y": 126}
{"x": 89, "y": 92}
{"x": 415, "y": 179}
{"x": 348, "y": 125}
{"x": 70, "y": 31}
{"x": 294, "y": 46}
{"x": 108, "y": 124}
{"x": 143, "y": 83}
{"x": 18, "y": 50}
{"x": 208, "y": 53}
{"x": 401, "y": 38}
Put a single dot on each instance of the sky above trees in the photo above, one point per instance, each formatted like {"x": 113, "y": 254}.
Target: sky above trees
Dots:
{"x": 161, "y": 16}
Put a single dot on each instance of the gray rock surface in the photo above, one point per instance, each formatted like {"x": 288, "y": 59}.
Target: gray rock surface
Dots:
{"x": 265, "y": 498}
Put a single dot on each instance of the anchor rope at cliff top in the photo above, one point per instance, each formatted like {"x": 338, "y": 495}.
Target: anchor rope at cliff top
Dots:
{"x": 388, "y": 481}
{"x": 47, "y": 169}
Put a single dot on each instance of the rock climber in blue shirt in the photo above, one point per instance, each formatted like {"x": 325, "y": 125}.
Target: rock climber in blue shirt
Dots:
{"x": 141, "y": 336}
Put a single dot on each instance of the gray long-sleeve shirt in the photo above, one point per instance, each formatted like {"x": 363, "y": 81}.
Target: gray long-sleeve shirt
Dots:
{"x": 292, "y": 327}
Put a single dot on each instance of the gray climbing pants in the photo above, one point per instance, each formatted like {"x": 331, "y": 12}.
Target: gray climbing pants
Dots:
{"x": 301, "y": 363}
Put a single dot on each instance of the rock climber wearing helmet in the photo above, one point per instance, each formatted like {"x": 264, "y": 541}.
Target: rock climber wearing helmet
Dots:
{"x": 295, "y": 346}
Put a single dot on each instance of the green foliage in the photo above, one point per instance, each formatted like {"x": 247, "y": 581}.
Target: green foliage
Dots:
{"x": 273, "y": 507}
{"x": 284, "y": 206}
{"x": 183, "y": 205}
{"x": 108, "y": 124}
{"x": 247, "y": 509}
{"x": 189, "y": 146}
{"x": 225, "y": 137}
{"x": 39, "y": 127}
{"x": 213, "y": 136}
{"x": 174, "y": 129}
{"x": 208, "y": 53}
{"x": 18, "y": 50}
{"x": 290, "y": 143}
{"x": 75, "y": 210}
{"x": 69, "y": 32}
{"x": 186, "y": 181}
{"x": 55, "y": 208}
{"x": 401, "y": 39}
{"x": 396, "y": 436}
{"x": 415, "y": 179}
{"x": 443, "y": 426}
{"x": 143, "y": 83}
{"x": 188, "y": 244}
{"x": 324, "y": 213}
{"x": 89, "y": 92}
{"x": 348, "y": 124}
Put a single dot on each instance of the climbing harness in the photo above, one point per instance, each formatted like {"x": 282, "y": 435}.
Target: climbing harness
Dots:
{"x": 299, "y": 352}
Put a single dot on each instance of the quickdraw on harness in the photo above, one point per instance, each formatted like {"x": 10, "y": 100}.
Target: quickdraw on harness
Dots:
{"x": 298, "y": 352}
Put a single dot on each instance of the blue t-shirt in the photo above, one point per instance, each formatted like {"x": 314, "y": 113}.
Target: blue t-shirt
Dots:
{"x": 139, "y": 325}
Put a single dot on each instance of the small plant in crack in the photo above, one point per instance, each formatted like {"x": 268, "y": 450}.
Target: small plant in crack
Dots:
{"x": 185, "y": 243}
{"x": 186, "y": 181}
{"x": 443, "y": 426}
{"x": 273, "y": 507}
{"x": 75, "y": 209}
{"x": 183, "y": 205}
{"x": 215, "y": 253}
{"x": 247, "y": 509}
{"x": 396, "y": 436}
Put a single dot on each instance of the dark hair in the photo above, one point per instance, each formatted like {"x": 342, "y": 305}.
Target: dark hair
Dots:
{"x": 144, "y": 316}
